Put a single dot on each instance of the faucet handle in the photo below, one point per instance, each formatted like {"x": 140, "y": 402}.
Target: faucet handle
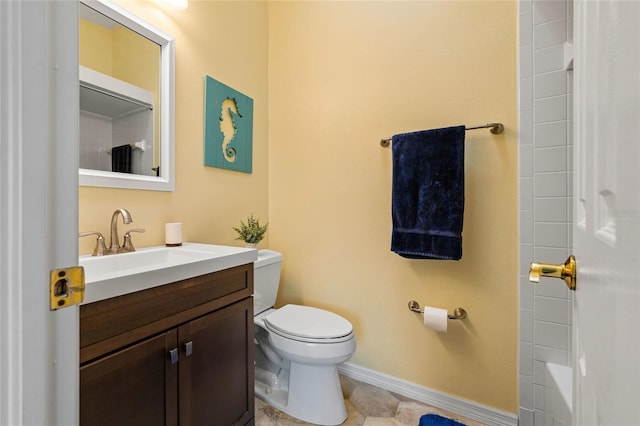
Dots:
{"x": 127, "y": 245}
{"x": 100, "y": 249}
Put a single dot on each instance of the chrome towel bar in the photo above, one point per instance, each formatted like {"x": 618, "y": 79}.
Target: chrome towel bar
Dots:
{"x": 458, "y": 313}
{"x": 495, "y": 128}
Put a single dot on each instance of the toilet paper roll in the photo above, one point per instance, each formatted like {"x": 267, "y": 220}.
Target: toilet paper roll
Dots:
{"x": 436, "y": 318}
{"x": 173, "y": 234}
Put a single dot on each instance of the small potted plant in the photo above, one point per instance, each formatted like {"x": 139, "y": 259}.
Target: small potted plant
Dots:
{"x": 251, "y": 232}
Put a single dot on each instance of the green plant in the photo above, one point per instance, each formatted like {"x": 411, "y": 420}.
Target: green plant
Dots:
{"x": 251, "y": 232}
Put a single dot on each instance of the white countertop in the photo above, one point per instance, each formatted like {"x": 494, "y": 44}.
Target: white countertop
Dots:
{"x": 118, "y": 274}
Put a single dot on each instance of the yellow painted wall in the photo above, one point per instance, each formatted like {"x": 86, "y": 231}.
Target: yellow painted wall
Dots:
{"x": 228, "y": 41}
{"x": 95, "y": 47}
{"x": 342, "y": 75}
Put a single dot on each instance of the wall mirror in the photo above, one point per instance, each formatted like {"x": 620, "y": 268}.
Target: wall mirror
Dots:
{"x": 126, "y": 100}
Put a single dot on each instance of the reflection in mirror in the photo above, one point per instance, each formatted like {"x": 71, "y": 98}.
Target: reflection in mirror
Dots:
{"x": 126, "y": 92}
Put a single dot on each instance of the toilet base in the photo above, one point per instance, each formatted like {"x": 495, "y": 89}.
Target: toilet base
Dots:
{"x": 313, "y": 394}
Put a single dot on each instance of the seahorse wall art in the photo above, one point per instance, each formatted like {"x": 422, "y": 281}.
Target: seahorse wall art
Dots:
{"x": 228, "y": 127}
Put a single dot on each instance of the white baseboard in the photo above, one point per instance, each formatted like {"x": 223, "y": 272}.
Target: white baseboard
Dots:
{"x": 469, "y": 409}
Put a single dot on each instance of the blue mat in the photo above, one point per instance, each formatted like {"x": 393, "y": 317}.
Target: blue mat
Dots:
{"x": 436, "y": 420}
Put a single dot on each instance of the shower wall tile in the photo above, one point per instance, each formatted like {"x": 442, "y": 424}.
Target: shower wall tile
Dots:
{"x": 550, "y": 109}
{"x": 526, "y": 160}
{"x": 526, "y": 358}
{"x": 546, "y": 354}
{"x": 551, "y": 159}
{"x": 549, "y": 34}
{"x": 548, "y": 10}
{"x": 526, "y": 256}
{"x": 525, "y": 130}
{"x": 549, "y": 59}
{"x": 550, "y": 209}
{"x": 554, "y": 254}
{"x": 538, "y": 397}
{"x": 526, "y": 226}
{"x": 552, "y": 310}
{"x": 526, "y": 29}
{"x": 540, "y": 418}
{"x": 551, "y": 84}
{"x": 550, "y": 234}
{"x": 539, "y": 372}
{"x": 526, "y": 61}
{"x": 526, "y": 293}
{"x": 526, "y": 193}
{"x": 526, "y": 326}
{"x": 550, "y": 335}
{"x": 525, "y": 417}
{"x": 551, "y": 184}
{"x": 551, "y": 287}
{"x": 95, "y": 133}
{"x": 545, "y": 171}
{"x": 526, "y": 93}
{"x": 550, "y": 134}
{"x": 526, "y": 391}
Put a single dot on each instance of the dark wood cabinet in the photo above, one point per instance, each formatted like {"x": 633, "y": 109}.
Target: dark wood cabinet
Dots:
{"x": 215, "y": 379}
{"x": 178, "y": 354}
{"x": 133, "y": 386}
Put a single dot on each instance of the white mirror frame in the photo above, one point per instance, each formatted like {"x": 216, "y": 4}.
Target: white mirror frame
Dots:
{"x": 166, "y": 180}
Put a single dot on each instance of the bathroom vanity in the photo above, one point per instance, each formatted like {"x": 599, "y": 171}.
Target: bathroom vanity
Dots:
{"x": 180, "y": 353}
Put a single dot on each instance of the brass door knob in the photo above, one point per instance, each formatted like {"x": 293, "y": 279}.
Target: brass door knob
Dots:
{"x": 567, "y": 271}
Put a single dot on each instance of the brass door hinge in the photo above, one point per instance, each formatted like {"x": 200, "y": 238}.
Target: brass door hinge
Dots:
{"x": 66, "y": 287}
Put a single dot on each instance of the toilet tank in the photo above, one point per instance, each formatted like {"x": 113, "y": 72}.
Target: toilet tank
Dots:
{"x": 266, "y": 279}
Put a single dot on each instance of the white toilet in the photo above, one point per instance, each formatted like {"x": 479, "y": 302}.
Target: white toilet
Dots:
{"x": 297, "y": 351}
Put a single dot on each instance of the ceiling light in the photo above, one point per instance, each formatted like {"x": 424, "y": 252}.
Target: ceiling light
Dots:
{"x": 175, "y": 4}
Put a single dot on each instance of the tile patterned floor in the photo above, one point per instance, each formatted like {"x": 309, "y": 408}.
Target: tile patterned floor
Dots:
{"x": 367, "y": 405}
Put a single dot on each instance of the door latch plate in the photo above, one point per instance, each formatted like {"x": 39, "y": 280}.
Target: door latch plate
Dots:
{"x": 66, "y": 287}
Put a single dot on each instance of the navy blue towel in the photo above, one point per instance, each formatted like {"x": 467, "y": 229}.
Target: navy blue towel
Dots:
{"x": 121, "y": 159}
{"x": 427, "y": 200}
{"x": 436, "y": 420}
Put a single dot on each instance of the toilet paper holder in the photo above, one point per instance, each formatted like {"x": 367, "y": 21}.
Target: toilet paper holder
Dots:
{"x": 458, "y": 313}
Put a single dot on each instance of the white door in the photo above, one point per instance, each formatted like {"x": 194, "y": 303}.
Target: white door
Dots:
{"x": 607, "y": 213}
{"x": 38, "y": 210}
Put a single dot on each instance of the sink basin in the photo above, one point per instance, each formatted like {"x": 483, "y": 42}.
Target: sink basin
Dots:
{"x": 118, "y": 274}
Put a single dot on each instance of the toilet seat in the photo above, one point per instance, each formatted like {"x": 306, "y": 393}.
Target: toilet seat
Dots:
{"x": 307, "y": 324}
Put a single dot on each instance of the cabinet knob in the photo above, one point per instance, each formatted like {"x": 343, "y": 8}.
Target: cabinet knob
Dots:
{"x": 188, "y": 348}
{"x": 173, "y": 355}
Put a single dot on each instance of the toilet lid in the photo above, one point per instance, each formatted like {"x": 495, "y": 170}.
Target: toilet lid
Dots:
{"x": 308, "y": 323}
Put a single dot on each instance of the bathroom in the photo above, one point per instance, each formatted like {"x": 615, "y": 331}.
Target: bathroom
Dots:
{"x": 328, "y": 80}
{"x": 325, "y": 80}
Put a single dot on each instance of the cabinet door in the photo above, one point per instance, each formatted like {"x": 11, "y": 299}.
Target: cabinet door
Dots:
{"x": 134, "y": 386}
{"x": 216, "y": 367}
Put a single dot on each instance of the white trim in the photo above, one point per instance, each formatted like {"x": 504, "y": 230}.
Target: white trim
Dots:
{"x": 471, "y": 410}
{"x": 38, "y": 210}
{"x": 166, "y": 180}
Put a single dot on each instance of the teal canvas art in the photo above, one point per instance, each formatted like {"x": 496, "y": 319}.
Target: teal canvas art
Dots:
{"x": 228, "y": 127}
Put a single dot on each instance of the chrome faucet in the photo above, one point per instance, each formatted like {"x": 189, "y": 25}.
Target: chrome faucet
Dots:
{"x": 100, "y": 249}
{"x": 114, "y": 244}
